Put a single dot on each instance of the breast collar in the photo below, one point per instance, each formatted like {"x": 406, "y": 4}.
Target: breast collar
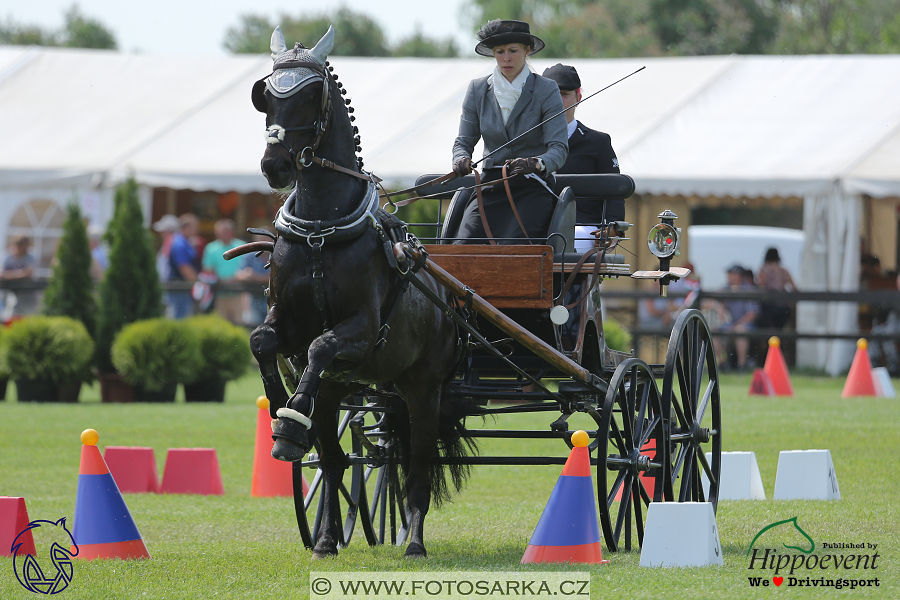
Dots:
{"x": 317, "y": 232}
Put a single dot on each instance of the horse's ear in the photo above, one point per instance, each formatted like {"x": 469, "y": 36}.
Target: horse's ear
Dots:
{"x": 277, "y": 45}
{"x": 258, "y": 96}
{"x": 324, "y": 47}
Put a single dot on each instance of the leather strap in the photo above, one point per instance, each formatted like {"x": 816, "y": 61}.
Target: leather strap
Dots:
{"x": 480, "y": 200}
{"x": 513, "y": 204}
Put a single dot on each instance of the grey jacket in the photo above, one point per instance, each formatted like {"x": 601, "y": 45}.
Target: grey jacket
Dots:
{"x": 481, "y": 118}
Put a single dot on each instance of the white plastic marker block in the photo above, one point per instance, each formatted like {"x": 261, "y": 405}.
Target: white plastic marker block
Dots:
{"x": 681, "y": 534}
{"x": 739, "y": 480}
{"x": 885, "y": 387}
{"x": 806, "y": 475}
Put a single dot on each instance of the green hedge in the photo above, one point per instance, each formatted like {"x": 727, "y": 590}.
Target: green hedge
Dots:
{"x": 225, "y": 348}
{"x": 54, "y": 348}
{"x": 617, "y": 337}
{"x": 156, "y": 352}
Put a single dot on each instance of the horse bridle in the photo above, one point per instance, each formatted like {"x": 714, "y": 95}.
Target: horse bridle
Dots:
{"x": 307, "y": 156}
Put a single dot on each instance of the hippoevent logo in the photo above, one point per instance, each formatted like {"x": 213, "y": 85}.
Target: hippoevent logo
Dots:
{"x": 31, "y": 575}
{"x": 838, "y": 565}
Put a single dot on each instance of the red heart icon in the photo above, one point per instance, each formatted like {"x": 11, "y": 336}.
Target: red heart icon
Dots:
{"x": 777, "y": 580}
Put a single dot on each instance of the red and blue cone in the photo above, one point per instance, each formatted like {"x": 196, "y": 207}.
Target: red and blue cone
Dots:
{"x": 569, "y": 530}
{"x": 103, "y": 525}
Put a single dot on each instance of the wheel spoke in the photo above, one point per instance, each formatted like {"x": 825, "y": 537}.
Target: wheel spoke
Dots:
{"x": 707, "y": 470}
{"x": 686, "y": 474}
{"x": 624, "y": 507}
{"x": 707, "y": 394}
{"x": 639, "y": 511}
{"x": 616, "y": 486}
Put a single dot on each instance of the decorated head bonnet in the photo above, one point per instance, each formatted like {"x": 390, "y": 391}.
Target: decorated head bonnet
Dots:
{"x": 293, "y": 69}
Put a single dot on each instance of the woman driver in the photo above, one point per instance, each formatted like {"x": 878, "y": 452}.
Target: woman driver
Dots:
{"x": 497, "y": 108}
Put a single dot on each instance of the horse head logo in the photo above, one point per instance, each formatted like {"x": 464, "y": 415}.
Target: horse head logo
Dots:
{"x": 792, "y": 521}
{"x": 29, "y": 572}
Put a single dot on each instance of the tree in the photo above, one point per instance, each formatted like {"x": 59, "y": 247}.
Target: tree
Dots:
{"x": 130, "y": 288}
{"x": 70, "y": 291}
{"x": 838, "y": 27}
{"x": 609, "y": 28}
{"x": 78, "y": 31}
{"x": 419, "y": 45}
{"x": 356, "y": 34}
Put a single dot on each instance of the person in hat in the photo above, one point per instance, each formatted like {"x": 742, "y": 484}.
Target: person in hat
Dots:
{"x": 589, "y": 152}
{"x": 496, "y": 109}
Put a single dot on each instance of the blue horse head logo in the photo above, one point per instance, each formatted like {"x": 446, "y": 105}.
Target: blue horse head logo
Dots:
{"x": 29, "y": 571}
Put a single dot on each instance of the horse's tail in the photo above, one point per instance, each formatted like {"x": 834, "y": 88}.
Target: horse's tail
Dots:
{"x": 453, "y": 445}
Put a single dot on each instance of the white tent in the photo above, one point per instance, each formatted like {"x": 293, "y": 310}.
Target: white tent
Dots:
{"x": 823, "y": 128}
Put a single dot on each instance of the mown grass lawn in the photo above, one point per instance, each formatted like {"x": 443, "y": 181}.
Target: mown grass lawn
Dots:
{"x": 237, "y": 546}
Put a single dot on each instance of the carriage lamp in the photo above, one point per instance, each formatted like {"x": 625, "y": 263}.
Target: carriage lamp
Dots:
{"x": 664, "y": 244}
{"x": 663, "y": 237}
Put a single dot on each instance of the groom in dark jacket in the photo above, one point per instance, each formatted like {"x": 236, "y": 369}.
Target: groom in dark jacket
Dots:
{"x": 589, "y": 151}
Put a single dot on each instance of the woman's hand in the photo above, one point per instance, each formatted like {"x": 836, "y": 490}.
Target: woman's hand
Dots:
{"x": 523, "y": 166}
{"x": 462, "y": 166}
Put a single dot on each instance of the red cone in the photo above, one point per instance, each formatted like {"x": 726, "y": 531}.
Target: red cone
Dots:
{"x": 192, "y": 471}
{"x": 860, "y": 381}
{"x": 777, "y": 370}
{"x": 134, "y": 468}
{"x": 761, "y": 385}
{"x": 13, "y": 522}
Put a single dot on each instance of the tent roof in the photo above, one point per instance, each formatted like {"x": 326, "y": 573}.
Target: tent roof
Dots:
{"x": 737, "y": 126}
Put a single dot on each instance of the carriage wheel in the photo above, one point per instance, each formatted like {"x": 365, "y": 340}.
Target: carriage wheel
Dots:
{"x": 690, "y": 396}
{"x": 628, "y": 476}
{"x": 369, "y": 490}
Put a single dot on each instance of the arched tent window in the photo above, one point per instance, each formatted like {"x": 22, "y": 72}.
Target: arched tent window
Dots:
{"x": 41, "y": 220}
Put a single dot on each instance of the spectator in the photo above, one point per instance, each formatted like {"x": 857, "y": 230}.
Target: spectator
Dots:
{"x": 166, "y": 227}
{"x": 774, "y": 277}
{"x": 885, "y": 351}
{"x": 19, "y": 265}
{"x": 738, "y": 316}
{"x": 99, "y": 254}
{"x": 227, "y": 303}
{"x": 182, "y": 266}
{"x": 253, "y": 269}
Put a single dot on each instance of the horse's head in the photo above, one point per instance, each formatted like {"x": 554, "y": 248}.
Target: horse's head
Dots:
{"x": 296, "y": 101}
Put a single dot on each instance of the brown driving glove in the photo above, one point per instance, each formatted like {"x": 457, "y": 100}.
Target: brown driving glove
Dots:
{"x": 462, "y": 166}
{"x": 523, "y": 166}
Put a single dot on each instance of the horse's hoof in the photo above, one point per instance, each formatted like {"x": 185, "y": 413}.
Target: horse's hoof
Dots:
{"x": 292, "y": 440}
{"x": 326, "y": 548}
{"x": 416, "y": 550}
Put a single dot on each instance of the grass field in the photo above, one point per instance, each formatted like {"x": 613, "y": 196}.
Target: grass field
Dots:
{"x": 237, "y": 546}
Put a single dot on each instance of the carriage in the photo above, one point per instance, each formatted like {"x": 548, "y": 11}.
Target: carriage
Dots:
{"x": 648, "y": 444}
{"x": 390, "y": 345}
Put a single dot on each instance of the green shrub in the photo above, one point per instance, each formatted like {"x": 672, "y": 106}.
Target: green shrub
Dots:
{"x": 70, "y": 291}
{"x": 58, "y": 349}
{"x": 225, "y": 348}
{"x": 156, "y": 352}
{"x": 130, "y": 288}
{"x": 617, "y": 337}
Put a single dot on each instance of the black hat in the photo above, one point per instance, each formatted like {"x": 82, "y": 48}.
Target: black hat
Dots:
{"x": 497, "y": 33}
{"x": 566, "y": 77}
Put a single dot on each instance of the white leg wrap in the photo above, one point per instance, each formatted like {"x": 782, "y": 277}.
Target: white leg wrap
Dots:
{"x": 290, "y": 413}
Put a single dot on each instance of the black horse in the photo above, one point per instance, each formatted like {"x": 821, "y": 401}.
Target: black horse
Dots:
{"x": 337, "y": 305}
